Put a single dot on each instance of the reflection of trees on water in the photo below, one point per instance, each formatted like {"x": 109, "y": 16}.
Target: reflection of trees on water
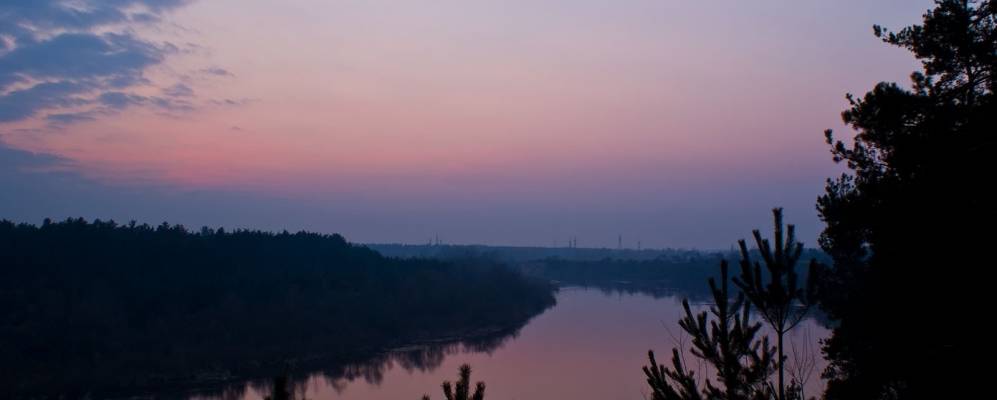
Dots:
{"x": 678, "y": 275}
{"x": 421, "y": 357}
{"x": 697, "y": 296}
{"x": 657, "y": 290}
{"x": 425, "y": 357}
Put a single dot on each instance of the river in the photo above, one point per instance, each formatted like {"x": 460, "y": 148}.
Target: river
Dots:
{"x": 590, "y": 346}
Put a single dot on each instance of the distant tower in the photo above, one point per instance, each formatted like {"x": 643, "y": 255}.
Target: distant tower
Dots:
{"x": 619, "y": 242}
{"x": 638, "y": 245}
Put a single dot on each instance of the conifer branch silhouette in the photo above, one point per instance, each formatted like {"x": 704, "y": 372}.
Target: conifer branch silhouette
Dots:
{"x": 462, "y": 390}
{"x": 775, "y": 291}
{"x": 728, "y": 342}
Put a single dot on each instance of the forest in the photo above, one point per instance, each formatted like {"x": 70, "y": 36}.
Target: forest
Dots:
{"x": 119, "y": 308}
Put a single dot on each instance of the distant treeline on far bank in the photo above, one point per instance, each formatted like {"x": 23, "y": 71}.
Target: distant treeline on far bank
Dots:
{"x": 660, "y": 272}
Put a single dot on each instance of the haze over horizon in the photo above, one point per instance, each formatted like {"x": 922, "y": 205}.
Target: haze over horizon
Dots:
{"x": 486, "y": 122}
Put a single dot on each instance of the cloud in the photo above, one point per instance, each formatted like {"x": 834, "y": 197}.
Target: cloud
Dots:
{"x": 25, "y": 103}
{"x": 122, "y": 100}
{"x": 71, "y": 118}
{"x": 81, "y": 56}
{"x": 18, "y": 16}
{"x": 216, "y": 71}
{"x": 179, "y": 90}
{"x": 171, "y": 105}
{"x": 57, "y": 54}
{"x": 233, "y": 102}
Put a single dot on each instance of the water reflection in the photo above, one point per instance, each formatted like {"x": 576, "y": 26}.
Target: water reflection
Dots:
{"x": 657, "y": 290}
{"x": 591, "y": 345}
{"x": 421, "y": 358}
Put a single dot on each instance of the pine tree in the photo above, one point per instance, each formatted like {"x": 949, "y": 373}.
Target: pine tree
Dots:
{"x": 724, "y": 337}
{"x": 462, "y": 391}
{"x": 776, "y": 291}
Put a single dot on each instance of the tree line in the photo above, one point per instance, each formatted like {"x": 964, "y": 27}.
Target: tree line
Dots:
{"x": 100, "y": 307}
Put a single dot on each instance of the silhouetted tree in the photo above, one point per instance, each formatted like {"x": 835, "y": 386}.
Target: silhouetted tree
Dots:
{"x": 282, "y": 386}
{"x": 776, "y": 291}
{"x": 281, "y": 389}
{"x": 728, "y": 341}
{"x": 462, "y": 391}
{"x": 903, "y": 225}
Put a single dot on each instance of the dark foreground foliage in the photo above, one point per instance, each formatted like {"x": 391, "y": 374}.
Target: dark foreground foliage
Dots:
{"x": 907, "y": 224}
{"x": 92, "y": 307}
{"x": 729, "y": 341}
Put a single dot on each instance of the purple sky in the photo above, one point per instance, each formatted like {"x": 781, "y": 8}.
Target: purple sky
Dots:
{"x": 675, "y": 123}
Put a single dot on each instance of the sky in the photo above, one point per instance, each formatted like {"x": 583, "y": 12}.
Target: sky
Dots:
{"x": 510, "y": 122}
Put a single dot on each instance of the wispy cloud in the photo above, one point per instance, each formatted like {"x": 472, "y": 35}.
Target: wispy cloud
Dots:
{"x": 217, "y": 71}
{"x": 179, "y": 90}
{"x": 71, "y": 118}
{"x": 122, "y": 100}
{"x": 72, "y": 61}
{"x": 233, "y": 102}
{"x": 25, "y": 103}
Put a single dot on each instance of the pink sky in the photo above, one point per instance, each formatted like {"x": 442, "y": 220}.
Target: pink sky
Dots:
{"x": 513, "y": 122}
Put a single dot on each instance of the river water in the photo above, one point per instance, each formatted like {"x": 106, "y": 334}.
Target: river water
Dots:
{"x": 590, "y": 346}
